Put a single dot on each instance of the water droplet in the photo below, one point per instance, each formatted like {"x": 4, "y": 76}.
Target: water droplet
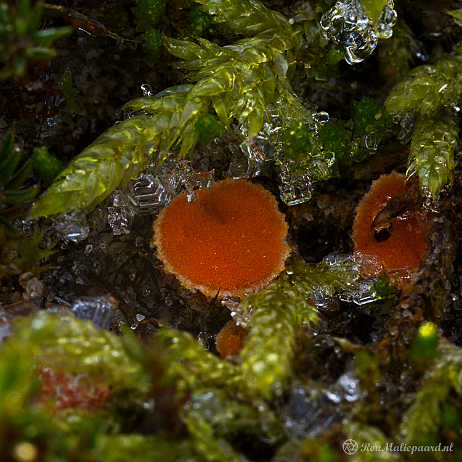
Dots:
{"x": 348, "y": 25}
{"x": 387, "y": 20}
{"x": 147, "y": 90}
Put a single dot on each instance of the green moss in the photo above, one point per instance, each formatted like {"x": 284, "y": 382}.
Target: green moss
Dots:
{"x": 65, "y": 85}
{"x": 429, "y": 92}
{"x": 209, "y": 128}
{"x": 21, "y": 40}
{"x": 152, "y": 41}
{"x": 296, "y": 140}
{"x": 278, "y": 310}
{"x": 47, "y": 166}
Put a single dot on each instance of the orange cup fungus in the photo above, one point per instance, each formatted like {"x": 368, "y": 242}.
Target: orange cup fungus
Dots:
{"x": 396, "y": 248}
{"x": 230, "y": 339}
{"x": 228, "y": 242}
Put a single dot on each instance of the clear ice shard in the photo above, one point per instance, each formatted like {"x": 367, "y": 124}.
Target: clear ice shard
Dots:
{"x": 120, "y": 214}
{"x": 297, "y": 187}
{"x": 99, "y": 310}
{"x": 348, "y": 25}
{"x": 154, "y": 189}
{"x": 72, "y": 226}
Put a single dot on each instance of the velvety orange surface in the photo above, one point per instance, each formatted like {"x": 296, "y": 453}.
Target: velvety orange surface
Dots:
{"x": 230, "y": 339}
{"x": 401, "y": 252}
{"x": 230, "y": 241}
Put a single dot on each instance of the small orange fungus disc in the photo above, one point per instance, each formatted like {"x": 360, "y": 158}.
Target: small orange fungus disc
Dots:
{"x": 230, "y": 339}
{"x": 230, "y": 241}
{"x": 396, "y": 250}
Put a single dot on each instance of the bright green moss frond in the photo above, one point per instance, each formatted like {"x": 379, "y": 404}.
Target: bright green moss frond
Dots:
{"x": 21, "y": 40}
{"x": 427, "y": 88}
{"x": 423, "y": 418}
{"x": 245, "y": 17}
{"x": 279, "y": 309}
{"x": 432, "y": 152}
{"x": 190, "y": 366}
{"x": 207, "y": 445}
{"x": 123, "y": 151}
{"x": 242, "y": 79}
{"x": 430, "y": 91}
{"x": 113, "y": 159}
{"x": 67, "y": 344}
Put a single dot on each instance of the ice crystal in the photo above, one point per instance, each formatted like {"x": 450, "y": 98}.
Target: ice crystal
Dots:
{"x": 153, "y": 190}
{"x": 120, "y": 214}
{"x": 73, "y": 226}
{"x": 148, "y": 194}
{"x": 100, "y": 310}
{"x": 306, "y": 414}
{"x": 296, "y": 188}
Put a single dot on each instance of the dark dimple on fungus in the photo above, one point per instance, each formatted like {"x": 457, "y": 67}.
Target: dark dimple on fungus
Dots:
{"x": 395, "y": 247}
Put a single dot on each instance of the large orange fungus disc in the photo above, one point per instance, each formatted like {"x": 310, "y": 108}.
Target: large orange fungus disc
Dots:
{"x": 396, "y": 250}
{"x": 228, "y": 242}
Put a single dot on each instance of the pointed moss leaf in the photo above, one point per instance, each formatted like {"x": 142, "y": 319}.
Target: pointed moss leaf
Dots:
{"x": 65, "y": 85}
{"x": 6, "y": 229}
{"x": 219, "y": 82}
{"x": 373, "y": 8}
{"x": 20, "y": 176}
{"x": 432, "y": 152}
{"x": 9, "y": 164}
{"x": 19, "y": 196}
{"x": 46, "y": 37}
{"x": 182, "y": 49}
{"x": 7, "y": 147}
{"x": 456, "y": 14}
{"x": 112, "y": 160}
{"x": 167, "y": 103}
